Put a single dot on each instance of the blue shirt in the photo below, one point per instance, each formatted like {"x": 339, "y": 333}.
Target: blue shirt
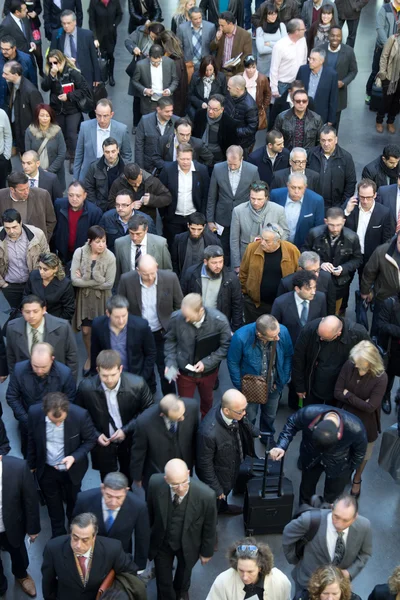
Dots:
{"x": 118, "y": 343}
{"x": 292, "y": 212}
{"x": 314, "y": 82}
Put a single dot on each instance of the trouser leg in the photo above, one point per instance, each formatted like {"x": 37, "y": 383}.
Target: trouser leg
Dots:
{"x": 163, "y": 564}
{"x": 166, "y": 386}
{"x": 335, "y": 486}
{"x": 206, "y": 387}
{"x": 309, "y": 480}
{"x": 52, "y": 491}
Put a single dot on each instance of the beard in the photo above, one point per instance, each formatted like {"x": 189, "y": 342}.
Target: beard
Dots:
{"x": 213, "y": 275}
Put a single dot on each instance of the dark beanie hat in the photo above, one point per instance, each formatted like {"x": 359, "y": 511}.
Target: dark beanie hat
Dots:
{"x": 325, "y": 433}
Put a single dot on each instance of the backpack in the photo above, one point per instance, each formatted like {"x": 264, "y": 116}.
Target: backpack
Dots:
{"x": 317, "y": 503}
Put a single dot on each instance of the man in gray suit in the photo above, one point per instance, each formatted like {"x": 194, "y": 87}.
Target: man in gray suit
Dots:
{"x": 343, "y": 539}
{"x": 154, "y": 77}
{"x": 36, "y": 326}
{"x": 92, "y": 134}
{"x": 195, "y": 36}
{"x": 129, "y": 249}
{"x": 229, "y": 187}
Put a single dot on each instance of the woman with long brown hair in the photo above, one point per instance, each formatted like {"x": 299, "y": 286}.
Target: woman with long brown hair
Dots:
{"x": 319, "y": 30}
{"x": 205, "y": 82}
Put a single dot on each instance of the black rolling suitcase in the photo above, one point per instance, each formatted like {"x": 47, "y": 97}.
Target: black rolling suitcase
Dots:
{"x": 268, "y": 503}
{"x": 376, "y": 101}
{"x": 254, "y": 467}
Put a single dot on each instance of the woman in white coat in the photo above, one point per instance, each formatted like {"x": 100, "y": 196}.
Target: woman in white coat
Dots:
{"x": 271, "y": 30}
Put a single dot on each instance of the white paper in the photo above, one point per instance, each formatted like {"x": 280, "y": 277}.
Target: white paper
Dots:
{"x": 220, "y": 228}
{"x": 189, "y": 367}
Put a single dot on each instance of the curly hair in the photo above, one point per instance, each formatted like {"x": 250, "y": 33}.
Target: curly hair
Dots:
{"x": 325, "y": 576}
{"x": 394, "y": 581}
{"x": 264, "y": 558}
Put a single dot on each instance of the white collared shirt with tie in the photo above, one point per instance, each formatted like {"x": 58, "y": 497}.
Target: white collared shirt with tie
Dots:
{"x": 106, "y": 511}
{"x": 332, "y": 535}
{"x": 112, "y": 406}
{"x": 156, "y": 74}
{"x": 299, "y": 303}
{"x": 364, "y": 217}
{"x": 34, "y": 180}
{"x": 184, "y": 205}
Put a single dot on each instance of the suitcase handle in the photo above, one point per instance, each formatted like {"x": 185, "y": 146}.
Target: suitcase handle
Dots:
{"x": 264, "y": 480}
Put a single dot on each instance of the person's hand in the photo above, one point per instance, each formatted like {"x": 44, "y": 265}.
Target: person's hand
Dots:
{"x": 32, "y": 46}
{"x": 351, "y": 204}
{"x": 337, "y": 271}
{"x": 68, "y": 461}
{"x": 145, "y": 198}
{"x": 78, "y": 274}
{"x": 137, "y": 205}
{"x": 212, "y": 227}
{"x": 137, "y": 51}
{"x": 138, "y": 483}
{"x": 148, "y": 92}
{"x": 32, "y": 14}
{"x": 96, "y": 43}
{"x": 33, "y": 537}
{"x": 345, "y": 392}
{"x": 96, "y": 83}
{"x": 367, "y": 297}
{"x": 204, "y": 560}
{"x": 166, "y": 92}
{"x": 71, "y": 58}
{"x": 5, "y": 285}
{"x": 63, "y": 97}
{"x": 118, "y": 436}
{"x": 199, "y": 367}
{"x": 204, "y": 105}
{"x": 267, "y": 43}
{"x": 218, "y": 35}
{"x": 277, "y": 453}
{"x": 221, "y": 497}
{"x": 301, "y": 395}
{"x": 276, "y": 95}
{"x": 103, "y": 440}
{"x": 166, "y": 371}
{"x": 326, "y": 266}
{"x": 3, "y": 378}
{"x": 340, "y": 84}
{"x": 345, "y": 573}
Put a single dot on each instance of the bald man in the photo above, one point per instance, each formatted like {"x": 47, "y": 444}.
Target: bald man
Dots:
{"x": 31, "y": 380}
{"x": 224, "y": 439}
{"x": 183, "y": 521}
{"x": 40, "y": 178}
{"x": 321, "y": 350}
{"x": 242, "y": 108}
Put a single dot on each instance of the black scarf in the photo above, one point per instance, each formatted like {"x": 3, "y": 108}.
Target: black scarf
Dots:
{"x": 391, "y": 173}
{"x": 271, "y": 27}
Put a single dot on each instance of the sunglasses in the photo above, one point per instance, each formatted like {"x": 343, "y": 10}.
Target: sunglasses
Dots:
{"x": 55, "y": 62}
{"x": 273, "y": 228}
{"x": 247, "y": 549}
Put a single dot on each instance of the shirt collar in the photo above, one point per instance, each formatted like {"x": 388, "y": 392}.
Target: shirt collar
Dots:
{"x": 199, "y": 29}
{"x": 116, "y": 389}
{"x": 51, "y": 422}
{"x": 225, "y": 419}
{"x": 198, "y": 324}
{"x": 103, "y": 129}
{"x": 368, "y": 212}
{"x": 295, "y": 201}
{"x": 334, "y": 51}
{"x": 105, "y": 507}
{"x": 299, "y": 301}
{"x": 192, "y": 168}
{"x": 39, "y": 329}
{"x": 144, "y": 242}
{"x": 87, "y": 554}
{"x": 231, "y": 35}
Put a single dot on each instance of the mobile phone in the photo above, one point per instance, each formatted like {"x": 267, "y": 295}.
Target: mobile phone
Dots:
{"x": 336, "y": 269}
{"x": 61, "y": 466}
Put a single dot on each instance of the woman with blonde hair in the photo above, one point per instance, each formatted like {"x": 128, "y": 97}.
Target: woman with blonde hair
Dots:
{"x": 329, "y": 582}
{"x": 181, "y": 14}
{"x": 173, "y": 49}
{"x": 389, "y": 590}
{"x": 359, "y": 389}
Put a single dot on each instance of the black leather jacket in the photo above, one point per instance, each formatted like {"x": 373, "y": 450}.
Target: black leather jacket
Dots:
{"x": 286, "y": 123}
{"x": 137, "y": 17}
{"x": 346, "y": 455}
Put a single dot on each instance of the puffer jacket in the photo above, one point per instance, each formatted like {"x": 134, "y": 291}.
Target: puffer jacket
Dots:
{"x": 218, "y": 458}
{"x": 346, "y": 455}
{"x": 181, "y": 338}
{"x": 381, "y": 273}
{"x": 244, "y": 111}
{"x": 37, "y": 244}
{"x": 286, "y": 123}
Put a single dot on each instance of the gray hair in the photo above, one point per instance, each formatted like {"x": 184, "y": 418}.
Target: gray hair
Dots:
{"x": 266, "y": 323}
{"x": 275, "y": 229}
{"x": 68, "y": 13}
{"x": 319, "y": 51}
{"x": 116, "y": 481}
{"x": 307, "y": 258}
{"x": 237, "y": 150}
{"x": 84, "y": 520}
{"x": 117, "y": 301}
{"x": 298, "y": 150}
{"x": 297, "y": 176}
{"x": 213, "y": 251}
{"x": 294, "y": 25}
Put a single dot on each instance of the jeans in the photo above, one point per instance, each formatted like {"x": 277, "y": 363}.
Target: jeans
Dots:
{"x": 267, "y": 414}
{"x": 282, "y": 87}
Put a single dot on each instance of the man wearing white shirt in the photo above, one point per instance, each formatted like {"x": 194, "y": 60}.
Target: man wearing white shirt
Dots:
{"x": 17, "y": 24}
{"x": 288, "y": 55}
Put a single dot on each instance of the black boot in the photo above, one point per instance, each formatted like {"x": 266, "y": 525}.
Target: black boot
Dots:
{"x": 111, "y": 79}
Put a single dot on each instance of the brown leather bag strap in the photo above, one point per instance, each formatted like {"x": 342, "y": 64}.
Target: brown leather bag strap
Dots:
{"x": 271, "y": 364}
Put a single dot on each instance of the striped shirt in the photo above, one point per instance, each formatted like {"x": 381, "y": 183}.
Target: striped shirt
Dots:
{"x": 228, "y": 45}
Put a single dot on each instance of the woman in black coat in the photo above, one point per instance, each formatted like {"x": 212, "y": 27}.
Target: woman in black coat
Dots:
{"x": 49, "y": 283}
{"x": 137, "y": 17}
{"x": 389, "y": 590}
{"x": 104, "y": 18}
{"x": 389, "y": 340}
{"x": 206, "y": 82}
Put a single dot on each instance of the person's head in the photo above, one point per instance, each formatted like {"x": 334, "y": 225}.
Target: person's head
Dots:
{"x": 55, "y": 404}
{"x": 177, "y": 476}
{"x": 298, "y": 160}
{"x": 300, "y": 101}
{"x": 234, "y": 157}
{"x": 57, "y": 59}
{"x": 269, "y": 15}
{"x": 391, "y": 156}
{"x": 227, "y": 22}
{"x": 328, "y": 139}
{"x": 215, "y": 106}
{"x": 253, "y": 560}
{"x": 234, "y": 404}
{"x": 296, "y": 185}
{"x": 68, "y": 21}
{"x": 147, "y": 269}
{"x": 19, "y": 186}
{"x": 42, "y": 358}
{"x": 154, "y": 30}
{"x": 109, "y": 367}
{"x": 183, "y": 130}
{"x": 236, "y": 86}
{"x": 104, "y": 113}
{"x": 124, "y": 204}
{"x": 114, "y": 489}
{"x": 134, "y": 175}
{"x": 171, "y": 44}
{"x": 156, "y": 53}
{"x": 117, "y": 310}
{"x": 325, "y": 434}
{"x": 329, "y": 583}
{"x": 208, "y": 67}
{"x": 259, "y": 194}
{"x": 12, "y": 223}
{"x": 50, "y": 267}
{"x": 274, "y": 141}
{"x": 344, "y": 512}
{"x": 173, "y": 408}
{"x": 96, "y": 237}
{"x": 366, "y": 191}
{"x": 326, "y": 15}
{"x": 316, "y": 59}
{"x": 267, "y": 329}
{"x": 184, "y": 6}
{"x": 33, "y": 309}
{"x": 250, "y": 65}
{"x": 184, "y": 157}
{"x": 8, "y": 47}
{"x": 335, "y": 37}
{"x": 367, "y": 359}
{"x": 164, "y": 109}
{"x": 110, "y": 151}
{"x": 76, "y": 195}
{"x": 30, "y": 163}
{"x": 335, "y": 220}
{"x": 394, "y": 582}
{"x": 192, "y": 308}
{"x": 330, "y": 328}
{"x": 138, "y": 226}
{"x": 196, "y": 16}
{"x": 297, "y": 84}
{"x": 214, "y": 261}
{"x": 305, "y": 284}
{"x": 295, "y": 29}
{"x": 18, "y": 9}
{"x": 196, "y": 225}
{"x": 83, "y": 533}
{"x": 310, "y": 261}
{"x": 271, "y": 236}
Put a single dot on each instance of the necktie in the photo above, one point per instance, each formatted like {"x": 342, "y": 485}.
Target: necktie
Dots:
{"x": 340, "y": 549}
{"x": 72, "y": 45}
{"x": 173, "y": 427}
{"x": 138, "y": 255}
{"x": 398, "y": 222}
{"x": 110, "y": 519}
{"x": 175, "y": 500}
{"x": 82, "y": 564}
{"x": 35, "y": 337}
{"x": 31, "y": 183}
{"x": 304, "y": 313}
{"x": 22, "y": 25}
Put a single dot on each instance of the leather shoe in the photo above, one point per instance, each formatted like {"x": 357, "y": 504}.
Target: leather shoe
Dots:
{"x": 391, "y": 128}
{"x": 386, "y": 405}
{"x": 232, "y": 509}
{"x": 111, "y": 80}
{"x": 184, "y": 596}
{"x": 28, "y": 585}
{"x": 379, "y": 127}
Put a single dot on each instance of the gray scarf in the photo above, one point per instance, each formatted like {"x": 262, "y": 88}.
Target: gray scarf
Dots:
{"x": 257, "y": 220}
{"x": 210, "y": 123}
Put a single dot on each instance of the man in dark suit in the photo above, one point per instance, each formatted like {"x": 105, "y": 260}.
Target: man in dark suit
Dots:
{"x": 60, "y": 436}
{"x": 163, "y": 432}
{"x": 114, "y": 399}
{"x": 78, "y": 45}
{"x": 153, "y": 78}
{"x": 35, "y": 326}
{"x": 321, "y": 83}
{"x": 270, "y": 158}
{"x": 119, "y": 514}
{"x": 387, "y": 195}
{"x": 52, "y": 12}
{"x": 9, "y": 51}
{"x": 149, "y": 132}
{"x": 188, "y": 182}
{"x": 34, "y": 378}
{"x": 129, "y": 335}
{"x": 297, "y": 162}
{"x": 75, "y": 565}
{"x": 18, "y": 26}
{"x": 183, "y": 520}
{"x": 304, "y": 209}
{"x": 19, "y": 516}
{"x": 39, "y": 178}
{"x": 135, "y": 285}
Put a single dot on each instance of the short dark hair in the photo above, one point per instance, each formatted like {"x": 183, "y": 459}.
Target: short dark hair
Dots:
{"x": 154, "y": 27}
{"x": 138, "y": 221}
{"x": 227, "y": 16}
{"x": 56, "y": 403}
{"x": 132, "y": 171}
{"x": 15, "y": 178}
{"x": 391, "y": 150}
{"x": 184, "y": 148}
{"x": 156, "y": 51}
{"x": 108, "y": 359}
{"x": 366, "y": 183}
{"x": 77, "y": 183}
{"x": 110, "y": 141}
{"x": 33, "y": 299}
{"x": 164, "y": 102}
{"x": 303, "y": 278}
{"x": 10, "y": 215}
{"x": 325, "y": 433}
{"x": 183, "y": 121}
{"x": 297, "y": 83}
{"x": 84, "y": 520}
{"x": 9, "y": 39}
{"x": 219, "y": 98}
{"x": 264, "y": 558}
{"x": 95, "y": 232}
{"x": 334, "y": 212}
{"x": 195, "y": 9}
{"x": 16, "y": 5}
{"x": 260, "y": 186}
{"x": 205, "y": 61}
{"x": 213, "y": 251}
{"x": 272, "y": 136}
{"x": 297, "y": 92}
{"x": 326, "y": 129}
{"x": 126, "y": 192}
{"x": 117, "y": 301}
{"x": 249, "y": 60}
{"x": 196, "y": 218}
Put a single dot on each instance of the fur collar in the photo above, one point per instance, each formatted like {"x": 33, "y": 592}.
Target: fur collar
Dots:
{"x": 50, "y": 133}
{"x": 100, "y": 267}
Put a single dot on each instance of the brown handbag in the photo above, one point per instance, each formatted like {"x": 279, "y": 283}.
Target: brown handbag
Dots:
{"x": 255, "y": 387}
{"x": 106, "y": 584}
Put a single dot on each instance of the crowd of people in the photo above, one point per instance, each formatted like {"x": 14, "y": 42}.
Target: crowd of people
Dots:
{"x": 173, "y": 254}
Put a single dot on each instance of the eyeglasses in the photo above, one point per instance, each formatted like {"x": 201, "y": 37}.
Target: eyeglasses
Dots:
{"x": 239, "y": 412}
{"x": 366, "y": 197}
{"x": 247, "y": 549}
{"x": 117, "y": 205}
{"x": 55, "y": 62}
{"x": 212, "y": 109}
{"x": 300, "y": 101}
{"x": 176, "y": 486}
{"x": 299, "y": 162}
